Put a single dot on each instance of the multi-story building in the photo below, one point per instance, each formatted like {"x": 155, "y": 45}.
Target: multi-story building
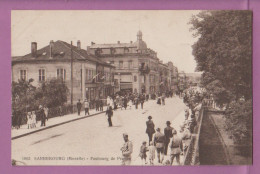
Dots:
{"x": 173, "y": 76}
{"x": 137, "y": 66}
{"x": 182, "y": 81}
{"x": 84, "y": 75}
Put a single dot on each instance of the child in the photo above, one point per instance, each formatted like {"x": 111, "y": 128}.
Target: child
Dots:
{"x": 151, "y": 152}
{"x": 143, "y": 151}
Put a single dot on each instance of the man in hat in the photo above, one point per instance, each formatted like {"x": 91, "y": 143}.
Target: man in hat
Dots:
{"x": 150, "y": 128}
{"x": 168, "y": 132}
{"x": 159, "y": 141}
{"x": 127, "y": 150}
{"x": 42, "y": 115}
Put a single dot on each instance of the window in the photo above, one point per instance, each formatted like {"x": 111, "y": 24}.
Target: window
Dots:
{"x": 135, "y": 78}
{"x": 120, "y": 64}
{"x": 130, "y": 64}
{"x": 41, "y": 75}
{"x": 23, "y": 74}
{"x": 61, "y": 73}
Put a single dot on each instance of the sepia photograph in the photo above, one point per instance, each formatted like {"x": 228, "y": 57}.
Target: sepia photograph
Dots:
{"x": 131, "y": 87}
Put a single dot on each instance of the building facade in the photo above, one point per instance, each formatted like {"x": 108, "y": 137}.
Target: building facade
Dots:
{"x": 84, "y": 75}
{"x": 137, "y": 67}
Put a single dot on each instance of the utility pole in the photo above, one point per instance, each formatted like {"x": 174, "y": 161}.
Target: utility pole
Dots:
{"x": 71, "y": 75}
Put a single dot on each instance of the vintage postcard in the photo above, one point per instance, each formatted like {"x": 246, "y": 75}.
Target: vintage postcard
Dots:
{"x": 139, "y": 88}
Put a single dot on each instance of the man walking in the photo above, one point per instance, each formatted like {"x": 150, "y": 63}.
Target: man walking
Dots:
{"x": 86, "y": 105}
{"x": 79, "y": 106}
{"x": 127, "y": 150}
{"x": 42, "y": 115}
{"x": 168, "y": 132}
{"x": 109, "y": 114}
{"x": 159, "y": 141}
{"x": 176, "y": 148}
{"x": 142, "y": 101}
{"x": 150, "y": 128}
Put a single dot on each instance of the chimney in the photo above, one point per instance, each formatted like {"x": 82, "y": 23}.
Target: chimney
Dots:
{"x": 51, "y": 48}
{"x": 92, "y": 43}
{"x": 118, "y": 42}
{"x": 131, "y": 42}
{"x": 79, "y": 45}
{"x": 34, "y": 49}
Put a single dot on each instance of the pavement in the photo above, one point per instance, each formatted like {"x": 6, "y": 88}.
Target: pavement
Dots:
{"x": 90, "y": 141}
{"x": 52, "y": 122}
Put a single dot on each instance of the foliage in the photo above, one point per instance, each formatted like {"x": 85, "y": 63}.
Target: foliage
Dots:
{"x": 223, "y": 52}
{"x": 239, "y": 121}
{"x": 52, "y": 93}
{"x": 26, "y": 97}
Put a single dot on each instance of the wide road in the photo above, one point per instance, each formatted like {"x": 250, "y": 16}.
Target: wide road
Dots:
{"x": 91, "y": 142}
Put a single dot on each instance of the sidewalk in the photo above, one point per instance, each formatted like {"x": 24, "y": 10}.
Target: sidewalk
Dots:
{"x": 52, "y": 122}
{"x": 55, "y": 121}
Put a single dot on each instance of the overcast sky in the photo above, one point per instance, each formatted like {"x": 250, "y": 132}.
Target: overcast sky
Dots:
{"x": 166, "y": 32}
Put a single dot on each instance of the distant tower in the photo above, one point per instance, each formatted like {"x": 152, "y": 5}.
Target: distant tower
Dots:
{"x": 139, "y": 35}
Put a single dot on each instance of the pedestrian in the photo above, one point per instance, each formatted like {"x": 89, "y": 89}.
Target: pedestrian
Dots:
{"x": 143, "y": 150}
{"x": 186, "y": 138}
{"x": 127, "y": 150}
{"x": 163, "y": 100}
{"x": 159, "y": 141}
{"x": 34, "y": 121}
{"x": 136, "y": 103}
{"x": 176, "y": 148}
{"x": 151, "y": 152}
{"x": 109, "y": 114}
{"x": 130, "y": 103}
{"x": 46, "y": 112}
{"x": 168, "y": 132}
{"x": 79, "y": 107}
{"x": 29, "y": 120}
{"x": 142, "y": 103}
{"x": 159, "y": 101}
{"x": 125, "y": 102}
{"x": 101, "y": 105}
{"x": 97, "y": 104}
{"x": 150, "y": 128}
{"x": 42, "y": 115}
{"x": 86, "y": 106}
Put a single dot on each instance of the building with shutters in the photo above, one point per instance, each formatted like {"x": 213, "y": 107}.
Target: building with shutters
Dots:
{"x": 86, "y": 76}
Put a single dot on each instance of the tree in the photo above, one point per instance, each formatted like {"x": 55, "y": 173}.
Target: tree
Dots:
{"x": 224, "y": 53}
{"x": 52, "y": 93}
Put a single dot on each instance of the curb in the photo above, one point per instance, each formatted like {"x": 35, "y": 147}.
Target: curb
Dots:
{"x": 58, "y": 124}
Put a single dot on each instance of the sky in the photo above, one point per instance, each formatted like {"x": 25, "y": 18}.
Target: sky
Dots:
{"x": 166, "y": 32}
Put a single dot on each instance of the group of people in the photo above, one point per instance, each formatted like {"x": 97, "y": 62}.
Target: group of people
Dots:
{"x": 32, "y": 118}
{"x": 163, "y": 141}
{"x": 159, "y": 142}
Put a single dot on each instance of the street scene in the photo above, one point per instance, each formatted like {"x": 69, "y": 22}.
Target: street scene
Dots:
{"x": 136, "y": 91}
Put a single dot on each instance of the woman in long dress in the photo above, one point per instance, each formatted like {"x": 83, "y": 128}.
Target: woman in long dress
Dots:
{"x": 33, "y": 119}
{"x": 29, "y": 120}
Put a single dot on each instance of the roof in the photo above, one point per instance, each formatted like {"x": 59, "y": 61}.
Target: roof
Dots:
{"x": 114, "y": 45}
{"x": 61, "y": 51}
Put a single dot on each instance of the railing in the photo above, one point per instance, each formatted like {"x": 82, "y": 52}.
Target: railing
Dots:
{"x": 191, "y": 156}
